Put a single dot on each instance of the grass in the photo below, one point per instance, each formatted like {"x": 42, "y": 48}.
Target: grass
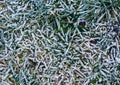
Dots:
{"x": 57, "y": 42}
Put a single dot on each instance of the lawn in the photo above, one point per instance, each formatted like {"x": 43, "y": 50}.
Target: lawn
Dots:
{"x": 59, "y": 42}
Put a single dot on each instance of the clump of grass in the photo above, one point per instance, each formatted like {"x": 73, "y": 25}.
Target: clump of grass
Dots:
{"x": 100, "y": 11}
{"x": 54, "y": 42}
